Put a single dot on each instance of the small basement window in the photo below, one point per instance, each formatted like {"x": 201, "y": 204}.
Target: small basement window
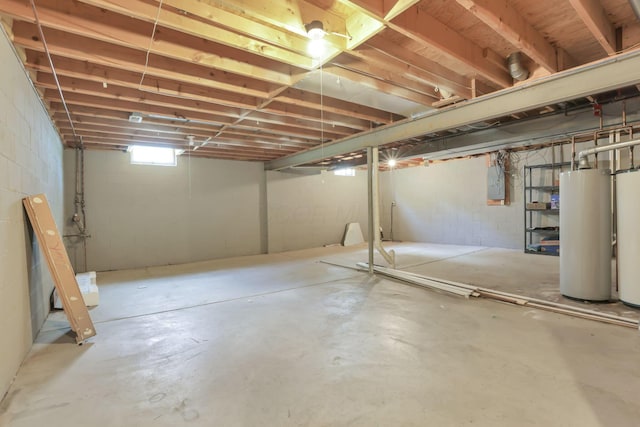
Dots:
{"x": 145, "y": 155}
{"x": 345, "y": 172}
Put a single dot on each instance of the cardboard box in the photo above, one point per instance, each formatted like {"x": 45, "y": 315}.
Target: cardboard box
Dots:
{"x": 538, "y": 205}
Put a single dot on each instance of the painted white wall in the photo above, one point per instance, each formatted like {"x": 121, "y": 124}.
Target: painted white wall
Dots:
{"x": 141, "y": 215}
{"x": 30, "y": 163}
{"x": 447, "y": 202}
{"x": 311, "y": 211}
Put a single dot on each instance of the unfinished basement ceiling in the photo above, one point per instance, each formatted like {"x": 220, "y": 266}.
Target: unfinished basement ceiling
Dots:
{"x": 239, "y": 76}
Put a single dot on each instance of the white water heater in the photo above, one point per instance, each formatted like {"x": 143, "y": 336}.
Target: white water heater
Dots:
{"x": 585, "y": 234}
{"x": 628, "y": 236}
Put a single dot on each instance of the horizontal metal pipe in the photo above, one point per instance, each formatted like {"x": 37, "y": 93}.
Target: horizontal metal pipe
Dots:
{"x": 601, "y": 148}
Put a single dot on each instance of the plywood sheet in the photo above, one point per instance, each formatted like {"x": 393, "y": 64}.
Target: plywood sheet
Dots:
{"x": 64, "y": 278}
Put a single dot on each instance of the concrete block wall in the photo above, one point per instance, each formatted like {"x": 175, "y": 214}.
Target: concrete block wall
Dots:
{"x": 30, "y": 163}
{"x": 311, "y": 211}
{"x": 447, "y": 202}
{"x": 142, "y": 215}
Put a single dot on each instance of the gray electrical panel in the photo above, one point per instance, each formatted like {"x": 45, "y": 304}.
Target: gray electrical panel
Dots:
{"x": 495, "y": 183}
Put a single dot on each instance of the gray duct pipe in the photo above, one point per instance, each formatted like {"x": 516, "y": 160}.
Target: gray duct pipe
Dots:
{"x": 516, "y": 69}
{"x": 635, "y": 5}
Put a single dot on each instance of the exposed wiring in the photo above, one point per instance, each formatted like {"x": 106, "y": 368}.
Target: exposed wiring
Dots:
{"x": 53, "y": 69}
{"x": 153, "y": 35}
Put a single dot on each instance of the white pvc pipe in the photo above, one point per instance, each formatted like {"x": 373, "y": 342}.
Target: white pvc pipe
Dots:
{"x": 601, "y": 148}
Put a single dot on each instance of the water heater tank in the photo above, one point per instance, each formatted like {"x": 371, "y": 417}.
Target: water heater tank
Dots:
{"x": 628, "y": 236}
{"x": 585, "y": 234}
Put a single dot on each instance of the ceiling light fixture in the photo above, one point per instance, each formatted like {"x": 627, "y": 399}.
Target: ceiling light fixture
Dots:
{"x": 315, "y": 30}
{"x": 135, "y": 117}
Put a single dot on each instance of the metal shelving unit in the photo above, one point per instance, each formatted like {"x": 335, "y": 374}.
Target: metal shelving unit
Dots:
{"x": 533, "y": 218}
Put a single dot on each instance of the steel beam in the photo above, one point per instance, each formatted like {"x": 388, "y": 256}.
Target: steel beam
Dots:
{"x": 601, "y": 76}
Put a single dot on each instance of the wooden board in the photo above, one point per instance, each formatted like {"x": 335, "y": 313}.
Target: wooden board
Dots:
{"x": 64, "y": 278}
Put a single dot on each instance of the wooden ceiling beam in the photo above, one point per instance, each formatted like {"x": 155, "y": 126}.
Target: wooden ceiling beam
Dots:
{"x": 384, "y": 9}
{"x": 328, "y": 118}
{"x": 71, "y": 72}
{"x": 201, "y": 154}
{"x": 380, "y": 85}
{"x": 213, "y": 13}
{"x": 267, "y": 121}
{"x": 100, "y": 25}
{"x": 390, "y": 73}
{"x": 280, "y": 134}
{"x": 262, "y": 119}
{"x": 83, "y": 100}
{"x": 237, "y": 145}
{"x": 105, "y": 54}
{"x": 423, "y": 28}
{"x": 598, "y": 23}
{"x": 371, "y": 55}
{"x": 290, "y": 15}
{"x": 213, "y": 152}
{"x": 137, "y": 101}
{"x": 134, "y": 129}
{"x": 180, "y": 128}
{"x": 183, "y": 144}
{"x": 333, "y": 105}
{"x": 127, "y": 94}
{"x": 113, "y": 76}
{"x": 179, "y": 16}
{"x": 500, "y": 16}
{"x": 439, "y": 75}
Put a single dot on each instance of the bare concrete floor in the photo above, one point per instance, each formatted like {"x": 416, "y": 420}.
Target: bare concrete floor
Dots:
{"x": 285, "y": 340}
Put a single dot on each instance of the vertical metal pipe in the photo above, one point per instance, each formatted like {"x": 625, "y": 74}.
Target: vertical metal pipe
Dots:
{"x": 573, "y": 153}
{"x": 370, "y": 205}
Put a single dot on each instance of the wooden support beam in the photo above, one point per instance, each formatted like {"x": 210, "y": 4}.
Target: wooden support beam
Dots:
{"x": 380, "y": 85}
{"x": 96, "y": 24}
{"x": 385, "y": 54}
{"x": 77, "y": 85}
{"x": 118, "y": 79}
{"x": 432, "y": 72}
{"x": 79, "y": 48}
{"x": 226, "y": 144}
{"x": 423, "y": 28}
{"x": 85, "y": 107}
{"x": 155, "y": 127}
{"x": 384, "y": 10}
{"x": 598, "y": 23}
{"x": 313, "y": 100}
{"x": 114, "y": 76}
{"x": 384, "y": 74}
{"x": 500, "y": 16}
{"x": 305, "y": 113}
{"x": 221, "y": 27}
{"x": 393, "y": 8}
{"x": 121, "y": 93}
